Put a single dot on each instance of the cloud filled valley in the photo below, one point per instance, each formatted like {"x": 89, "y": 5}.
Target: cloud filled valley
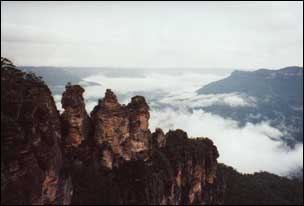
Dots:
{"x": 174, "y": 104}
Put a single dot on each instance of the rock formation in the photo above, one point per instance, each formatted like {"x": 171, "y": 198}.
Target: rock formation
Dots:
{"x": 76, "y": 125}
{"x": 159, "y": 138}
{"x": 110, "y": 157}
{"x": 31, "y": 158}
{"x": 124, "y": 129}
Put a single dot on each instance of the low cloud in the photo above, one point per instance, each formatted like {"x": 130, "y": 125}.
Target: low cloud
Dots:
{"x": 228, "y": 99}
{"x": 175, "y": 81}
{"x": 252, "y": 148}
{"x": 174, "y": 104}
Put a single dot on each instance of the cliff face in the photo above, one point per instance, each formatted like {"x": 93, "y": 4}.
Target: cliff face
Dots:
{"x": 31, "y": 158}
{"x": 108, "y": 158}
{"x": 124, "y": 129}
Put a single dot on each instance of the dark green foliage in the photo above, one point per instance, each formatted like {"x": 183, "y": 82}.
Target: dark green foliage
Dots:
{"x": 260, "y": 188}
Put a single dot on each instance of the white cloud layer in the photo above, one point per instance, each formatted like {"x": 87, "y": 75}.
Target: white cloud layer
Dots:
{"x": 248, "y": 149}
{"x": 233, "y": 99}
{"x": 251, "y": 148}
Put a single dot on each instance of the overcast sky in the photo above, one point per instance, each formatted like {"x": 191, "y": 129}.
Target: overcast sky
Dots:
{"x": 153, "y": 34}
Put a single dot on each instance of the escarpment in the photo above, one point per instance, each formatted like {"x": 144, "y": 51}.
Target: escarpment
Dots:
{"x": 31, "y": 157}
{"x": 109, "y": 157}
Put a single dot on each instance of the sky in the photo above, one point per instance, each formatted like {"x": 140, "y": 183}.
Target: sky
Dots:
{"x": 199, "y": 35}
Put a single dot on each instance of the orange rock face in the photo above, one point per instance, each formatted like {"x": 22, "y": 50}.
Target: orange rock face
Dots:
{"x": 124, "y": 128}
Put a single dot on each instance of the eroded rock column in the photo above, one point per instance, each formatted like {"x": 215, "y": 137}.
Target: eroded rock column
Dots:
{"x": 123, "y": 128}
{"x": 76, "y": 124}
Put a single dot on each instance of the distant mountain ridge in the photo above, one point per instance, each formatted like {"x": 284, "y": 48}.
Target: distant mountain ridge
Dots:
{"x": 278, "y": 94}
{"x": 241, "y": 81}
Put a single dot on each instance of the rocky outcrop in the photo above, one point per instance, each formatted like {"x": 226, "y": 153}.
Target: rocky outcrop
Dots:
{"x": 76, "y": 125}
{"x": 137, "y": 167}
{"x": 108, "y": 158}
{"x": 31, "y": 158}
{"x": 184, "y": 171}
{"x": 124, "y": 129}
{"x": 194, "y": 166}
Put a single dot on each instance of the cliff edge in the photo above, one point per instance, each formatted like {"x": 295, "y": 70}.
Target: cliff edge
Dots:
{"x": 107, "y": 157}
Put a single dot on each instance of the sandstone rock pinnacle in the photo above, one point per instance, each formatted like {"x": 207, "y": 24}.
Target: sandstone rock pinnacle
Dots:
{"x": 76, "y": 125}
